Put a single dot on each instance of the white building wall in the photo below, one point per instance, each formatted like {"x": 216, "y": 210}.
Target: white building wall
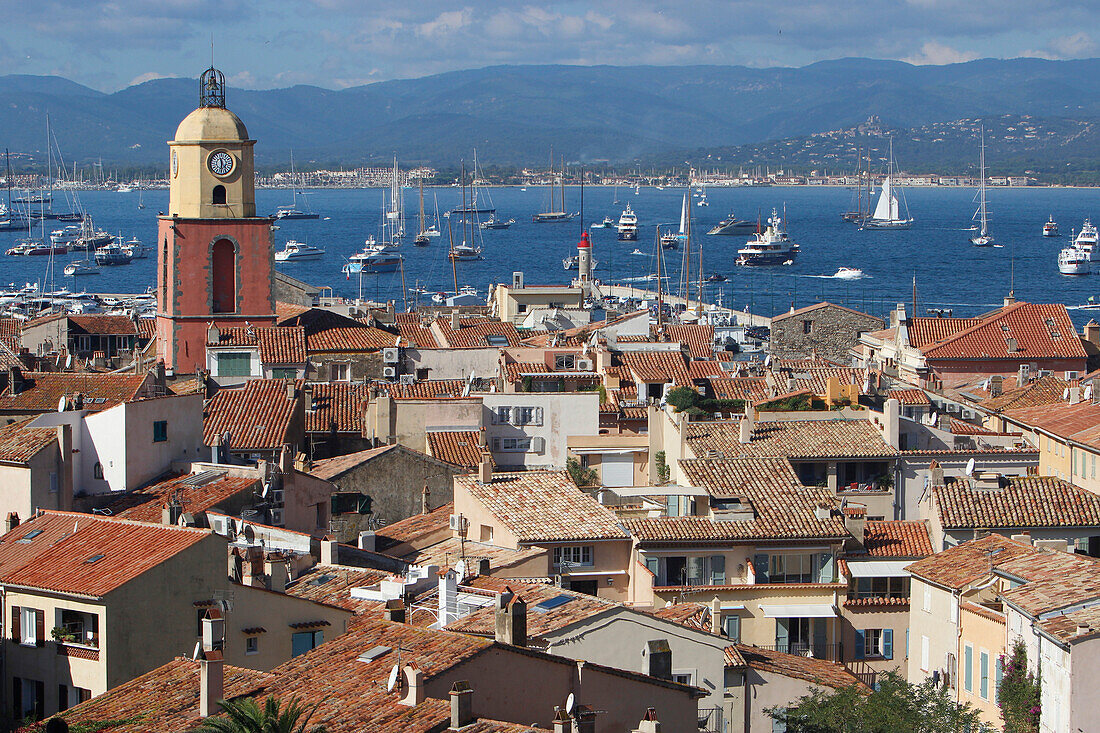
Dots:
{"x": 562, "y": 414}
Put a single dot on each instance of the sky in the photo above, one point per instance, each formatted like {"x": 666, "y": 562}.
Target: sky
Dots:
{"x": 262, "y": 44}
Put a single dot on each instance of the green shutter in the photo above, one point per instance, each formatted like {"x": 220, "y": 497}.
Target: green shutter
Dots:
{"x": 718, "y": 570}
{"x": 887, "y": 643}
{"x": 861, "y": 644}
{"x": 968, "y": 671}
{"x": 984, "y": 679}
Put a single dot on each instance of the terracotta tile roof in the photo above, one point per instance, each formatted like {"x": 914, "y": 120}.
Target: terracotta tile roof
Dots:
{"x": 336, "y": 406}
{"x": 925, "y": 331}
{"x": 896, "y": 539}
{"x": 286, "y": 311}
{"x": 734, "y": 476}
{"x": 332, "y": 585}
{"x": 460, "y": 447}
{"x": 739, "y": 388}
{"x": 816, "y": 379}
{"x": 258, "y": 415}
{"x": 147, "y": 328}
{"x": 698, "y": 337}
{"x": 145, "y": 504}
{"x": 414, "y": 528}
{"x": 961, "y": 427}
{"x": 1073, "y": 626}
{"x": 331, "y": 468}
{"x": 791, "y": 439}
{"x": 446, "y": 552}
{"x": 860, "y": 603}
{"x": 428, "y": 389}
{"x": 1046, "y": 390}
{"x": 656, "y": 366}
{"x": 1054, "y": 581}
{"x": 979, "y": 610}
{"x": 331, "y": 332}
{"x": 1021, "y": 502}
{"x": 579, "y": 607}
{"x": 19, "y": 442}
{"x": 1041, "y": 331}
{"x": 816, "y": 671}
{"x": 733, "y": 656}
{"x": 543, "y": 506}
{"x": 277, "y": 344}
{"x": 692, "y": 615}
{"x": 706, "y": 370}
{"x": 62, "y": 558}
{"x": 474, "y": 332}
{"x": 103, "y": 324}
{"x": 779, "y": 514}
{"x": 1079, "y": 423}
{"x": 957, "y": 567}
{"x": 515, "y": 370}
{"x": 43, "y": 390}
{"x": 10, "y": 331}
{"x": 418, "y": 335}
{"x": 909, "y": 396}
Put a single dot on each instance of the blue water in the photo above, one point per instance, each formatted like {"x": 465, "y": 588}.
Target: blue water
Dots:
{"x": 950, "y": 272}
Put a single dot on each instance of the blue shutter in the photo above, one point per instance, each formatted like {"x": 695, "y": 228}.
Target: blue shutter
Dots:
{"x": 984, "y": 679}
{"x": 718, "y": 570}
{"x": 968, "y": 671}
{"x": 760, "y": 565}
{"x": 887, "y": 643}
{"x": 998, "y": 674}
{"x": 781, "y": 635}
{"x": 826, "y": 568}
{"x": 861, "y": 642}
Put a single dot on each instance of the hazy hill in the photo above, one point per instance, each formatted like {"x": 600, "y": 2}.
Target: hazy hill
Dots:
{"x": 513, "y": 114}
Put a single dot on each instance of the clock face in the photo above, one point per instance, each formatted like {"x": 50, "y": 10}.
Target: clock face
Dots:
{"x": 221, "y": 163}
{"x": 175, "y": 164}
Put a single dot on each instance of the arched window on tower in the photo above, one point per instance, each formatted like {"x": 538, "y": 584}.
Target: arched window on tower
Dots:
{"x": 219, "y": 195}
{"x": 224, "y": 277}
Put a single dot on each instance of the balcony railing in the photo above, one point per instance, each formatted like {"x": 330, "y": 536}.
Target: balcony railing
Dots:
{"x": 827, "y": 652}
{"x": 710, "y": 720}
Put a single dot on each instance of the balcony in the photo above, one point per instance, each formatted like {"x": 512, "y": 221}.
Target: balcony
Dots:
{"x": 710, "y": 720}
{"x": 827, "y": 652}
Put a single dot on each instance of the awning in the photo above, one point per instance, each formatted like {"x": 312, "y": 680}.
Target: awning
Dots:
{"x": 878, "y": 568}
{"x": 799, "y": 610}
{"x": 732, "y": 606}
{"x": 608, "y": 451}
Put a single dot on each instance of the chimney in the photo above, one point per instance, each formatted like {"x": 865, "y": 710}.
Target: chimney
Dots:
{"x": 456, "y": 322}
{"x": 1074, "y": 394}
{"x": 425, "y": 500}
{"x": 367, "y": 540}
{"x": 414, "y": 684}
{"x": 171, "y": 512}
{"x": 395, "y": 611}
{"x": 856, "y": 525}
{"x": 215, "y": 449}
{"x": 11, "y": 522}
{"x": 1083, "y": 629}
{"x": 307, "y": 392}
{"x": 448, "y": 597}
{"x": 658, "y": 659}
{"x": 996, "y": 385}
{"x": 1010, "y": 298}
{"x": 277, "y": 575}
{"x": 1024, "y": 537}
{"x": 511, "y": 619}
{"x": 462, "y": 704}
{"x": 1053, "y": 545}
{"x": 330, "y": 552}
{"x": 99, "y": 360}
{"x": 291, "y": 389}
{"x": 584, "y": 720}
{"x": 1092, "y": 332}
{"x": 211, "y": 671}
{"x": 286, "y": 460}
{"x": 936, "y": 473}
{"x": 891, "y": 418}
{"x": 745, "y": 427}
{"x": 649, "y": 722}
{"x": 562, "y": 722}
{"x": 485, "y": 468}
{"x": 715, "y": 616}
{"x": 15, "y": 380}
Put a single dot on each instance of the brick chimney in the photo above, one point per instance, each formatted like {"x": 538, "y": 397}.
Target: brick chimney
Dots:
{"x": 211, "y": 665}
{"x": 649, "y": 722}
{"x": 395, "y": 611}
{"x": 462, "y": 705}
{"x": 11, "y": 522}
{"x": 562, "y": 722}
{"x": 511, "y": 619}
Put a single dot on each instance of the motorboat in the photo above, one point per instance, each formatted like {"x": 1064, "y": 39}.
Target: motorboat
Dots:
{"x": 848, "y": 273}
{"x": 607, "y": 223}
{"x": 1050, "y": 228}
{"x": 771, "y": 247}
{"x": 716, "y": 277}
{"x": 732, "y": 225}
{"x": 672, "y": 239}
{"x": 39, "y": 248}
{"x": 628, "y": 225}
{"x": 573, "y": 262}
{"x": 135, "y": 248}
{"x": 1073, "y": 261}
{"x": 68, "y": 236}
{"x": 112, "y": 254}
{"x": 373, "y": 262}
{"x": 1086, "y": 240}
{"x": 464, "y": 252}
{"x": 493, "y": 223}
{"x": 81, "y": 268}
{"x": 290, "y": 212}
{"x": 293, "y": 251}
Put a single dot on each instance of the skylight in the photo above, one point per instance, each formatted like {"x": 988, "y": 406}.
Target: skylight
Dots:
{"x": 94, "y": 558}
{"x": 552, "y": 603}
{"x": 494, "y": 339}
{"x": 373, "y": 653}
{"x": 32, "y": 534}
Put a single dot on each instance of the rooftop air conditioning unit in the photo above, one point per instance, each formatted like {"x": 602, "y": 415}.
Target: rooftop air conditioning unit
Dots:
{"x": 584, "y": 365}
{"x": 407, "y": 379}
{"x": 277, "y": 496}
{"x": 391, "y": 354}
{"x": 389, "y": 372}
{"x": 458, "y": 523}
{"x": 277, "y": 517}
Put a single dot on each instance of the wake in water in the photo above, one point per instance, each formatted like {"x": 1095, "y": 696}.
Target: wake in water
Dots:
{"x": 844, "y": 273}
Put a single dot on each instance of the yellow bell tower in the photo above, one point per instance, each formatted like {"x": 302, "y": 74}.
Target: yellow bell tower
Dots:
{"x": 211, "y": 169}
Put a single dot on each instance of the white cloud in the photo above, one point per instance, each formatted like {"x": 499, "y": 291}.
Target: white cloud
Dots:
{"x": 1077, "y": 45}
{"x": 147, "y": 76}
{"x": 937, "y": 54}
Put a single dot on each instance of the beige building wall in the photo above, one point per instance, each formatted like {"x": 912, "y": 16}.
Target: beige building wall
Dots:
{"x": 386, "y": 420}
{"x": 983, "y": 635}
{"x": 933, "y": 631}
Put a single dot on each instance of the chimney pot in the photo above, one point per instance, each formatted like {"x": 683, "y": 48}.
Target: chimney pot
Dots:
{"x": 485, "y": 468}
{"x": 211, "y": 670}
{"x": 511, "y": 619}
{"x": 562, "y": 722}
{"x": 649, "y": 722}
{"x": 395, "y": 610}
{"x": 462, "y": 705}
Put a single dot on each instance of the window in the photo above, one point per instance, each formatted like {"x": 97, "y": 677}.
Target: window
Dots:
{"x": 97, "y": 471}
{"x": 29, "y": 625}
{"x": 565, "y": 362}
{"x": 252, "y": 645}
{"x": 924, "y": 653}
{"x": 800, "y": 568}
{"x": 218, "y": 198}
{"x": 235, "y": 364}
{"x": 54, "y": 482}
{"x": 576, "y": 555}
{"x": 160, "y": 431}
{"x": 807, "y": 326}
{"x": 502, "y": 415}
{"x": 512, "y": 445}
{"x": 874, "y": 643}
{"x": 684, "y": 678}
{"x": 882, "y": 588}
{"x": 302, "y": 641}
{"x": 340, "y": 372}
{"x": 968, "y": 668}
{"x": 998, "y": 675}
{"x": 422, "y": 373}
{"x": 527, "y": 416}
{"x": 983, "y": 677}
{"x": 223, "y": 277}
{"x": 486, "y": 533}
{"x": 69, "y": 696}
{"x": 731, "y": 624}
{"x": 928, "y": 599}
{"x": 28, "y": 694}
{"x": 284, "y": 373}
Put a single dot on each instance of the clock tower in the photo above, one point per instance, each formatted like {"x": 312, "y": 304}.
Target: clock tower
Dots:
{"x": 215, "y": 261}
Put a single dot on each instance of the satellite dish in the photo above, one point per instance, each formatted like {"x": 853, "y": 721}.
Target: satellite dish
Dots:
{"x": 267, "y": 488}
{"x": 392, "y": 681}
{"x": 198, "y": 651}
{"x": 970, "y": 467}
{"x": 1065, "y": 393}
{"x": 570, "y": 703}
{"x": 69, "y": 361}
{"x": 62, "y": 403}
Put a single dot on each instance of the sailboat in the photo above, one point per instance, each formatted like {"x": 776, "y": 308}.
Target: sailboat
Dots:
{"x": 859, "y": 213}
{"x": 474, "y": 207}
{"x": 887, "y": 214}
{"x": 422, "y": 239}
{"x": 983, "y": 237}
{"x": 141, "y": 202}
{"x": 292, "y": 211}
{"x": 555, "y": 214}
{"x": 672, "y": 240}
{"x": 395, "y": 215}
{"x": 433, "y": 229}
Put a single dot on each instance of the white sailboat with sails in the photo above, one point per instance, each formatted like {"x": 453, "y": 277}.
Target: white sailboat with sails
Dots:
{"x": 983, "y": 238}
{"x": 888, "y": 211}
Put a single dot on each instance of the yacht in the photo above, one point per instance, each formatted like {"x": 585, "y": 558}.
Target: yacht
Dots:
{"x": 112, "y": 254}
{"x": 771, "y": 247}
{"x": 298, "y": 251}
{"x": 493, "y": 223}
{"x": 464, "y": 252}
{"x": 292, "y": 212}
{"x": 628, "y": 226}
{"x": 373, "y": 262}
{"x": 572, "y": 262}
{"x": 135, "y": 248}
{"x": 1050, "y": 229}
{"x": 92, "y": 238}
{"x": 732, "y": 225}
{"x": 607, "y": 223}
{"x": 1073, "y": 261}
{"x": 67, "y": 236}
{"x": 1087, "y": 236}
{"x": 848, "y": 273}
{"x": 80, "y": 268}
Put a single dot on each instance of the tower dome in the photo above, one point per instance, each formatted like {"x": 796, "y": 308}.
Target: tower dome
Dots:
{"x": 213, "y": 124}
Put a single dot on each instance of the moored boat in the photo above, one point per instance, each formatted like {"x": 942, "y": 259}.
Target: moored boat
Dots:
{"x": 1073, "y": 261}
{"x": 1050, "y": 228}
{"x": 293, "y": 251}
{"x": 628, "y": 225}
{"x": 732, "y": 225}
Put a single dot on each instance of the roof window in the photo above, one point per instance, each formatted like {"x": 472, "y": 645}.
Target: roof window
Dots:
{"x": 94, "y": 559}
{"x": 552, "y": 603}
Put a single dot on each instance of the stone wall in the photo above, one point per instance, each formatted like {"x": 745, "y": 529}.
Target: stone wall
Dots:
{"x": 831, "y": 332}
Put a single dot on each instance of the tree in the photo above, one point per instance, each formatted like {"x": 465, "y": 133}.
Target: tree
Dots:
{"x": 246, "y": 716}
{"x": 581, "y": 476}
{"x": 894, "y": 706}
{"x": 1019, "y": 693}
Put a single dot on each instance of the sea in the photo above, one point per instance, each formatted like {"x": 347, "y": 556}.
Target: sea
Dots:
{"x": 949, "y": 273}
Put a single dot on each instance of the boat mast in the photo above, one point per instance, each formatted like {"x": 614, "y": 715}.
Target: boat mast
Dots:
{"x": 699, "y": 289}
{"x": 421, "y": 179}
{"x": 451, "y": 255}
{"x": 659, "y": 300}
{"x": 404, "y": 290}
{"x": 563, "y": 184}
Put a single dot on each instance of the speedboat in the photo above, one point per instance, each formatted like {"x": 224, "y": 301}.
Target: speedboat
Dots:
{"x": 628, "y": 226}
{"x": 848, "y": 273}
{"x": 492, "y": 223}
{"x": 112, "y": 254}
{"x": 716, "y": 277}
{"x": 771, "y": 247}
{"x": 373, "y": 262}
{"x": 638, "y": 252}
{"x": 298, "y": 251}
{"x": 464, "y": 252}
{"x": 1050, "y": 229}
{"x": 1073, "y": 261}
{"x": 290, "y": 212}
{"x": 732, "y": 225}
{"x": 573, "y": 262}
{"x": 81, "y": 267}
{"x": 607, "y": 223}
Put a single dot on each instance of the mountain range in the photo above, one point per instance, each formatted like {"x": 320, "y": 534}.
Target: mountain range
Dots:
{"x": 515, "y": 114}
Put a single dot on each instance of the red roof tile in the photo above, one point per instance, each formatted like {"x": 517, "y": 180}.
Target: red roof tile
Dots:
{"x": 1079, "y": 423}
{"x": 42, "y": 391}
{"x": 656, "y": 366}
{"x": 698, "y": 337}
{"x": 896, "y": 539}
{"x": 739, "y": 388}
{"x": 790, "y": 439}
{"x": 105, "y": 325}
{"x": 331, "y": 332}
{"x": 1046, "y": 390}
{"x": 258, "y": 415}
{"x": 277, "y": 344}
{"x": 336, "y": 406}
{"x": 475, "y": 332}
{"x": 1040, "y": 330}
{"x": 1021, "y": 502}
{"x": 926, "y": 331}
{"x": 706, "y": 370}
{"x": 816, "y": 671}
{"x": 460, "y": 447}
{"x": 734, "y": 476}
{"x": 145, "y": 504}
{"x": 428, "y": 389}
{"x": 417, "y": 335}
{"x": 909, "y": 396}
{"x": 19, "y": 442}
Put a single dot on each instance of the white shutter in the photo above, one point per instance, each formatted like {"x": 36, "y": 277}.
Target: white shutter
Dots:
{"x": 538, "y": 444}
{"x": 538, "y": 416}
{"x": 617, "y": 469}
